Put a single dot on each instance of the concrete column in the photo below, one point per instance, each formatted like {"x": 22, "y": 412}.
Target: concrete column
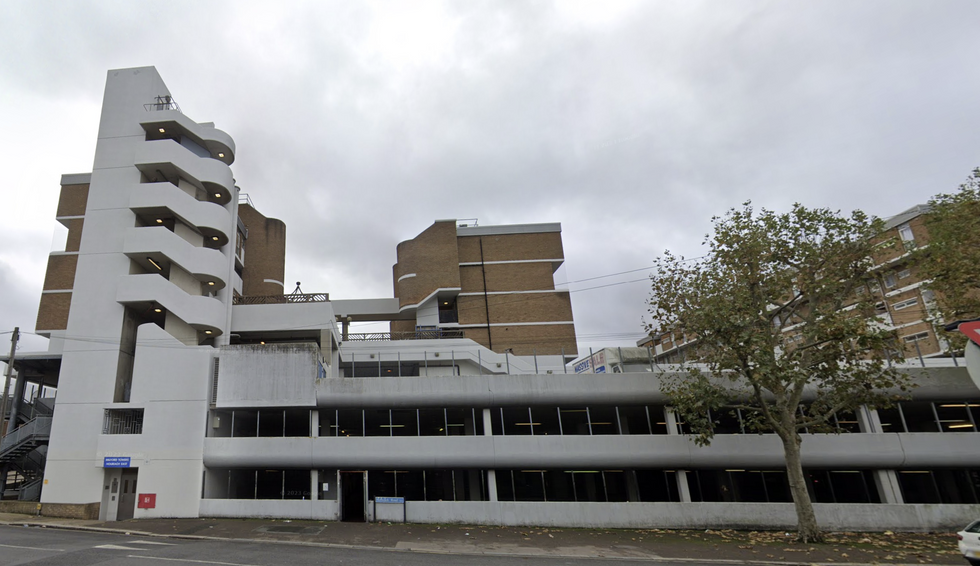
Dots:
{"x": 491, "y": 474}
{"x": 314, "y": 485}
{"x": 683, "y": 490}
{"x": 868, "y": 420}
{"x": 888, "y": 488}
{"x": 314, "y": 423}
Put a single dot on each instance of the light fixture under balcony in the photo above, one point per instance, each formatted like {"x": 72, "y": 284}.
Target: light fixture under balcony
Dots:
{"x": 211, "y": 283}
{"x": 215, "y": 238}
{"x": 159, "y": 220}
{"x": 158, "y": 310}
{"x": 217, "y": 195}
{"x": 153, "y": 263}
{"x": 163, "y": 131}
{"x": 207, "y": 332}
{"x": 221, "y": 155}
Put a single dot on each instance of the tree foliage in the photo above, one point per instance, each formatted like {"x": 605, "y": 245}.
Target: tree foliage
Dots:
{"x": 774, "y": 315}
{"x": 952, "y": 258}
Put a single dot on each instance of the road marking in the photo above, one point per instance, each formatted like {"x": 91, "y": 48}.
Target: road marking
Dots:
{"x": 189, "y": 560}
{"x": 151, "y": 542}
{"x": 32, "y": 547}
{"x": 117, "y": 547}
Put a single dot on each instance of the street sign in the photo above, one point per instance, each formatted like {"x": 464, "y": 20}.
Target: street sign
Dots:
{"x": 389, "y": 500}
{"x": 971, "y": 330}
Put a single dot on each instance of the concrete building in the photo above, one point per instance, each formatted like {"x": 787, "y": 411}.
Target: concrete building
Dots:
{"x": 189, "y": 384}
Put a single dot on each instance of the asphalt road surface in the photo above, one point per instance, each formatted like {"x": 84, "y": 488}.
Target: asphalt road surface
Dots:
{"x": 55, "y": 547}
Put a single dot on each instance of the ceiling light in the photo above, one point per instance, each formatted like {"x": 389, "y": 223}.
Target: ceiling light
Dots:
{"x": 961, "y": 425}
{"x": 221, "y": 155}
{"x": 207, "y": 332}
{"x": 211, "y": 283}
{"x": 155, "y": 264}
{"x": 158, "y": 309}
{"x": 162, "y": 131}
{"x": 215, "y": 238}
{"x": 263, "y": 343}
{"x": 159, "y": 220}
{"x": 217, "y": 195}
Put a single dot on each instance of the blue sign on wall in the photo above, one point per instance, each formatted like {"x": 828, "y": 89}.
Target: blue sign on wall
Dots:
{"x": 389, "y": 500}
{"x": 115, "y": 462}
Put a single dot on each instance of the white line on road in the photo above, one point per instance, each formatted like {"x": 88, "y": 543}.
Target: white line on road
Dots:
{"x": 151, "y": 542}
{"x": 32, "y": 547}
{"x": 116, "y": 547}
{"x": 189, "y": 560}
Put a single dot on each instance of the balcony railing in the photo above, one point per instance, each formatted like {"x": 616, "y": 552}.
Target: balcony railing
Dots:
{"x": 422, "y": 334}
{"x": 162, "y": 103}
{"x": 283, "y": 299}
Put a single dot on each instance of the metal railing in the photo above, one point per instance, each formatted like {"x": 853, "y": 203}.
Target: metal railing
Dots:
{"x": 166, "y": 102}
{"x": 35, "y": 431}
{"x": 428, "y": 334}
{"x": 283, "y": 299}
{"x": 30, "y": 491}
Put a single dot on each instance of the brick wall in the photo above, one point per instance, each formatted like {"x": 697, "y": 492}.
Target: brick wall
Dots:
{"x": 265, "y": 254}
{"x": 52, "y": 313}
{"x": 73, "y": 200}
{"x": 60, "y": 273}
{"x": 432, "y": 257}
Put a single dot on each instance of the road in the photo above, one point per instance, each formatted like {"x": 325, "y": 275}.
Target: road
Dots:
{"x": 55, "y": 547}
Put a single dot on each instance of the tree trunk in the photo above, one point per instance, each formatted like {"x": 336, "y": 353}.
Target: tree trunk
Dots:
{"x": 807, "y": 529}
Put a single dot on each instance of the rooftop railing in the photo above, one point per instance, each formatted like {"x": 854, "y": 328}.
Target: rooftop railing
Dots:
{"x": 282, "y": 299}
{"x": 426, "y": 334}
{"x": 166, "y": 102}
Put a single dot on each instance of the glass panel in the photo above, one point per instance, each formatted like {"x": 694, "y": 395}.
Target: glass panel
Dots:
{"x": 432, "y": 422}
{"x": 633, "y": 420}
{"x": 558, "y": 486}
{"x": 377, "y": 422}
{"x": 574, "y": 420}
{"x": 350, "y": 422}
{"x": 517, "y": 421}
{"x": 545, "y": 421}
{"x": 919, "y": 417}
{"x": 404, "y": 423}
{"x": 603, "y": 420}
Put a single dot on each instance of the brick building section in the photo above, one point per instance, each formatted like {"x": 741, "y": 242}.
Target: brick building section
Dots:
{"x": 265, "y": 253}
{"x": 59, "y": 279}
{"x": 502, "y": 280}
{"x": 902, "y": 301}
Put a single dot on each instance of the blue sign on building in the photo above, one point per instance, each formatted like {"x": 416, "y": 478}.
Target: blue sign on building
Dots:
{"x": 389, "y": 500}
{"x": 115, "y": 462}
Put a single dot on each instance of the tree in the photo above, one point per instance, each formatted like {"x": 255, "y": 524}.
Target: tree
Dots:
{"x": 774, "y": 313}
{"x": 952, "y": 258}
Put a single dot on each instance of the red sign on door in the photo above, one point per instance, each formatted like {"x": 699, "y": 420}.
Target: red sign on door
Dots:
{"x": 147, "y": 501}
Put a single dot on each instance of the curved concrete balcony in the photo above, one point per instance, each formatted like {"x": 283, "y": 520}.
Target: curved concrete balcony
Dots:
{"x": 170, "y": 160}
{"x": 148, "y": 290}
{"x": 174, "y": 123}
{"x": 164, "y": 248}
{"x": 164, "y": 199}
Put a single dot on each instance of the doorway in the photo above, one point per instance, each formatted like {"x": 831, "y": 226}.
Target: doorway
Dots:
{"x": 352, "y": 497}
{"x": 127, "y": 494}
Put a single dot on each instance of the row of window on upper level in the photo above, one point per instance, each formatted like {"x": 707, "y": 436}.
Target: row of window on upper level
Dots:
{"x": 911, "y": 416}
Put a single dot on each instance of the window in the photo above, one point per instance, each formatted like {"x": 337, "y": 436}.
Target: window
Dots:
{"x": 905, "y": 304}
{"x": 890, "y": 281}
{"x": 905, "y": 274}
{"x": 905, "y": 233}
{"x": 122, "y": 421}
{"x": 860, "y": 290}
{"x": 918, "y": 337}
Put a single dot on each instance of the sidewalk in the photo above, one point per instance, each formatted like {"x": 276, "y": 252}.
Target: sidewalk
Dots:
{"x": 642, "y": 544}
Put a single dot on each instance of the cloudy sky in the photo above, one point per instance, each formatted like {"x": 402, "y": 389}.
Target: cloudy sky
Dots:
{"x": 631, "y": 123}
